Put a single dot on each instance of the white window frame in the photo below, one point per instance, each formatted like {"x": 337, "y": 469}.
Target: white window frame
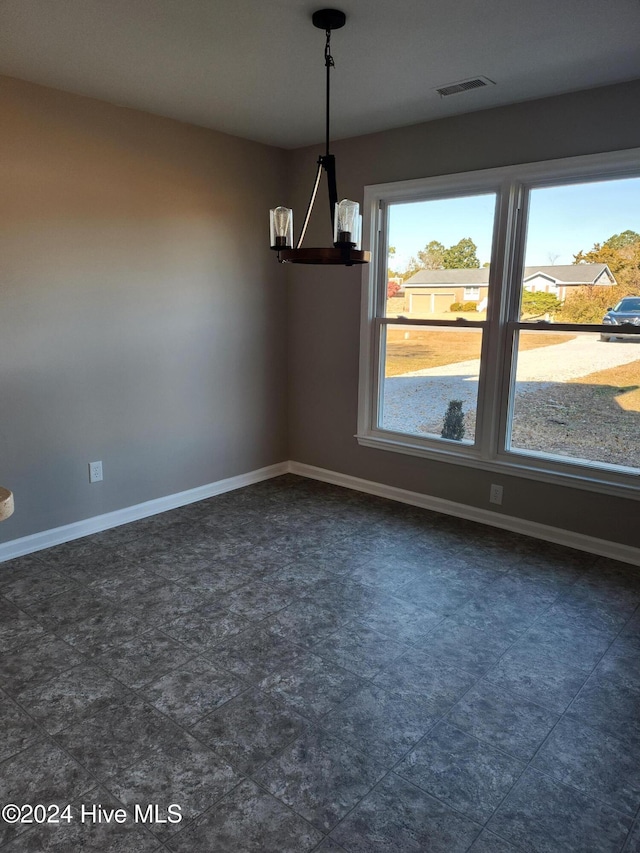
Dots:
{"x": 512, "y": 185}
{"x": 474, "y": 297}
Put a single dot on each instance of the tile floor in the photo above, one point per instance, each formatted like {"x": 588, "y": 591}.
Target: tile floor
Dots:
{"x": 304, "y": 668}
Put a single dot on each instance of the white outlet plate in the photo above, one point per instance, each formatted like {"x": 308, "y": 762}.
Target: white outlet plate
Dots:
{"x": 495, "y": 494}
{"x": 95, "y": 472}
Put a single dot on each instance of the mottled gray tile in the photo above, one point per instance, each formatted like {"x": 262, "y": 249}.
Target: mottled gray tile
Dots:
{"x": 217, "y": 580}
{"x": 42, "y": 773}
{"x": 250, "y": 820}
{"x": 385, "y": 572}
{"x": 423, "y": 678}
{"x": 542, "y": 815}
{"x": 120, "y": 736}
{"x": 203, "y": 628}
{"x": 609, "y": 705}
{"x": 401, "y": 620}
{"x": 249, "y": 730}
{"x": 304, "y": 622}
{"x": 124, "y": 588}
{"x": 464, "y": 647}
{"x": 29, "y": 590}
{"x": 544, "y": 680}
{"x": 633, "y": 841}
{"x": 143, "y": 659}
{"x": 17, "y": 729}
{"x": 379, "y": 723}
{"x": 458, "y": 770}
{"x": 582, "y": 613}
{"x": 256, "y": 600}
{"x": 19, "y": 568}
{"x": 487, "y": 842}
{"x": 167, "y": 601}
{"x": 193, "y": 690}
{"x": 253, "y": 654}
{"x": 72, "y": 696}
{"x": 329, "y": 846}
{"x": 193, "y": 780}
{"x": 503, "y": 609}
{"x": 582, "y": 648}
{"x": 61, "y": 611}
{"x": 311, "y": 686}
{"x": 360, "y": 649}
{"x": 397, "y": 815}
{"x": 622, "y": 662}
{"x": 104, "y": 630}
{"x": 320, "y": 777}
{"x": 438, "y": 593}
{"x": 17, "y": 629}
{"x": 36, "y": 662}
{"x": 599, "y": 764}
{"x": 503, "y": 719}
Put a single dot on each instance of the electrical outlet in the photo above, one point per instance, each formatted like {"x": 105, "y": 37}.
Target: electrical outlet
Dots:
{"x": 495, "y": 494}
{"x": 95, "y": 472}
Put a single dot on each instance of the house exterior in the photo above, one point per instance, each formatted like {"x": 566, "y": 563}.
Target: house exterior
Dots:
{"x": 434, "y": 291}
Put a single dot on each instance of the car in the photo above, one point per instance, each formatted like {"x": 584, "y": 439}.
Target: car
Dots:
{"x": 626, "y": 311}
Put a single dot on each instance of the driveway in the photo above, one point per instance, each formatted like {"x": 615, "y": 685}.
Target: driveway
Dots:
{"x": 413, "y": 397}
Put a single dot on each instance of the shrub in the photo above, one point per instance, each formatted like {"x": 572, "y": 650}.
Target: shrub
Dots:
{"x": 392, "y": 288}
{"x": 463, "y": 306}
{"x": 453, "y": 425}
{"x": 588, "y": 304}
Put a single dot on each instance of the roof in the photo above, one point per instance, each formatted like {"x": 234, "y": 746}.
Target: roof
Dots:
{"x": 560, "y": 273}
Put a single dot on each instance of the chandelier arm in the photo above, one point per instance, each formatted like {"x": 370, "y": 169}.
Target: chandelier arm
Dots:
{"x": 329, "y": 163}
{"x": 314, "y": 192}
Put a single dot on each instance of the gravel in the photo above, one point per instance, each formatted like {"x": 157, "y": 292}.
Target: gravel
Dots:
{"x": 566, "y": 419}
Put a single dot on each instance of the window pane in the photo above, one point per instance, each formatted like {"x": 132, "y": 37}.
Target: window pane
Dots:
{"x": 582, "y": 252}
{"x": 439, "y": 253}
{"x": 430, "y": 386}
{"x": 577, "y": 398}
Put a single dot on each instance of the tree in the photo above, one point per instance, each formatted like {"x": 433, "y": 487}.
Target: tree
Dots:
{"x": 621, "y": 253}
{"x": 435, "y": 256}
{"x": 462, "y": 256}
{"x": 538, "y": 303}
{"x": 432, "y": 256}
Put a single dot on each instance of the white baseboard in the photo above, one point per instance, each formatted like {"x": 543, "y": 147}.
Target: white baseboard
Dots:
{"x": 98, "y": 523}
{"x": 601, "y": 547}
{"x": 59, "y": 535}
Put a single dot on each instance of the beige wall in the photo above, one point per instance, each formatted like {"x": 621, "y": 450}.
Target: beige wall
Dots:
{"x": 324, "y": 339}
{"x": 142, "y": 316}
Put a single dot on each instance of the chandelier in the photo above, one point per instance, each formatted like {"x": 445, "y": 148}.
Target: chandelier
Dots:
{"x": 346, "y": 221}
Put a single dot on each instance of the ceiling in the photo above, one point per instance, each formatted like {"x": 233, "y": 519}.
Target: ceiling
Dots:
{"x": 256, "y": 69}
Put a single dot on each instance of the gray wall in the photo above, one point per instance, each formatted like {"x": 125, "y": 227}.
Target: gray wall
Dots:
{"x": 324, "y": 305}
{"x": 142, "y": 316}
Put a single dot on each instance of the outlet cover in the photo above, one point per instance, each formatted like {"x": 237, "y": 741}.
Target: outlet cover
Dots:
{"x": 95, "y": 472}
{"x": 495, "y": 494}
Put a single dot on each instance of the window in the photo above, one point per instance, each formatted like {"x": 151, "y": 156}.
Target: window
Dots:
{"x": 531, "y": 381}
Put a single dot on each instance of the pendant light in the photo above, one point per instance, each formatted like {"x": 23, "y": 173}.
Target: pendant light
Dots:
{"x": 346, "y": 221}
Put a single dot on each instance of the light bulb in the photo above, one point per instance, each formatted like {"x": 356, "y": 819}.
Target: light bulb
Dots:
{"x": 281, "y": 227}
{"x": 346, "y": 221}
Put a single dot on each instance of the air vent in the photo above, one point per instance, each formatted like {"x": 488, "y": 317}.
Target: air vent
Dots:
{"x": 464, "y": 86}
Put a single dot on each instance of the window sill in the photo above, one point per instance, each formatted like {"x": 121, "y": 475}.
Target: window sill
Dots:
{"x": 544, "y": 471}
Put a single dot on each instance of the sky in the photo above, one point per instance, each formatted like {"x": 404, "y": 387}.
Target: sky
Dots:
{"x": 562, "y": 221}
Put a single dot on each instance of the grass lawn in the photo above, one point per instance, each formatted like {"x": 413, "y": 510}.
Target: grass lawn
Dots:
{"x": 423, "y": 349}
{"x": 621, "y": 384}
